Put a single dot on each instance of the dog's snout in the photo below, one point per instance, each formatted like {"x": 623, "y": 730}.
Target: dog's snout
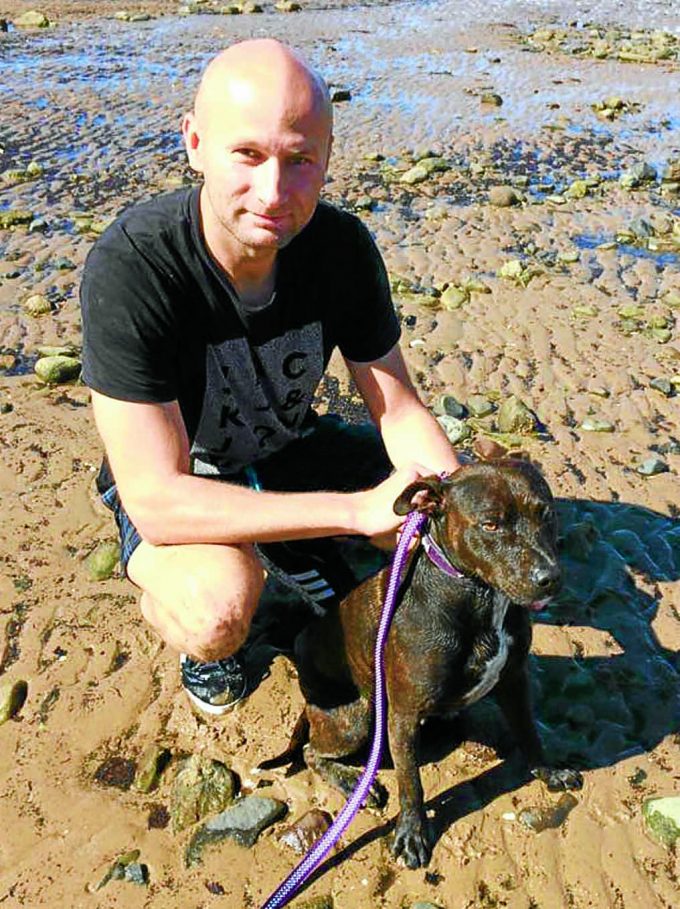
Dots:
{"x": 546, "y": 577}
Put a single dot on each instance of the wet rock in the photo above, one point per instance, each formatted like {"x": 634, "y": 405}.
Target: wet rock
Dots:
{"x": 364, "y": 203}
{"x": 577, "y": 190}
{"x": 151, "y": 764}
{"x": 449, "y": 406}
{"x": 480, "y": 406}
{"x": 456, "y": 430}
{"x": 57, "y": 370}
{"x": 641, "y": 228}
{"x": 515, "y": 416}
{"x": 665, "y": 386}
{"x": 37, "y": 305}
{"x": 540, "y": 819}
{"x": 414, "y": 175}
{"x": 585, "y": 310}
{"x": 250, "y": 8}
{"x": 491, "y": 98}
{"x": 125, "y": 868}
{"x": 202, "y": 787}
{"x": 12, "y": 698}
{"x": 38, "y": 226}
{"x": 14, "y": 217}
{"x": 638, "y": 175}
{"x": 242, "y": 823}
{"x": 319, "y": 902}
{"x": 652, "y": 466}
{"x": 116, "y": 771}
{"x": 592, "y": 424}
{"x": 301, "y": 835}
{"x": 504, "y": 196}
{"x": 518, "y": 271}
{"x": 32, "y": 19}
{"x": 140, "y": 17}
{"x": 102, "y": 561}
{"x": 631, "y": 311}
{"x": 662, "y": 819}
{"x": 287, "y": 6}
{"x": 340, "y": 94}
{"x": 475, "y": 286}
{"x": 63, "y": 263}
{"x": 454, "y": 297}
{"x": 50, "y": 350}
{"x": 569, "y": 257}
{"x": 159, "y": 817}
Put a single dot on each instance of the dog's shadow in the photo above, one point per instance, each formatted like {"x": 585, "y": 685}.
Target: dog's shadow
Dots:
{"x": 592, "y": 710}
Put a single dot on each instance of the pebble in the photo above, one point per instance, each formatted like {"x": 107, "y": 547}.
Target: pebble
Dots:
{"x": 14, "y": 217}
{"x": 151, "y": 764}
{"x": 243, "y": 823}
{"x": 37, "y": 305}
{"x": 540, "y": 819}
{"x": 32, "y": 19}
{"x": 454, "y": 297}
{"x": 202, "y": 787}
{"x": 447, "y": 404}
{"x": 480, "y": 406}
{"x": 301, "y": 835}
{"x": 57, "y": 370}
{"x": 503, "y": 196}
{"x": 515, "y": 416}
{"x": 491, "y": 98}
{"x": 662, "y": 818}
{"x": 591, "y": 424}
{"x": 665, "y": 386}
{"x": 102, "y": 561}
{"x": 456, "y": 430}
{"x": 12, "y": 698}
{"x": 652, "y": 466}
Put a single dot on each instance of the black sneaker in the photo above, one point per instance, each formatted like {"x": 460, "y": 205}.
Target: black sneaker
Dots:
{"x": 214, "y": 687}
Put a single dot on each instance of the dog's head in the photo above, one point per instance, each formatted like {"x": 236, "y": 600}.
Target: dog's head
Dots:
{"x": 496, "y": 521}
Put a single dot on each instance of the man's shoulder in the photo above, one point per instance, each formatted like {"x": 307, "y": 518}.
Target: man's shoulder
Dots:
{"x": 332, "y": 234}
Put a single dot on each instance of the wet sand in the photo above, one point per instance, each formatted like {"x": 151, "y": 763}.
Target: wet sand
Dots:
{"x": 96, "y": 104}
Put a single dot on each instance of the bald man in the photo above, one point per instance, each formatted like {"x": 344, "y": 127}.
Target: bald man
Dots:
{"x": 209, "y": 317}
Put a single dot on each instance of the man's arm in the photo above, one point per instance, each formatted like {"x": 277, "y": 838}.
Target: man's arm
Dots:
{"x": 148, "y": 450}
{"x": 409, "y": 431}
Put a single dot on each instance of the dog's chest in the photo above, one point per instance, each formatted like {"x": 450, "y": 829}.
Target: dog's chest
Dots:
{"x": 489, "y": 655}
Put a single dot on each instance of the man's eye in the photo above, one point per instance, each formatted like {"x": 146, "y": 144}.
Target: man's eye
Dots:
{"x": 248, "y": 153}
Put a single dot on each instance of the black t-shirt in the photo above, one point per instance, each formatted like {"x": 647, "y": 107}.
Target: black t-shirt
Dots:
{"x": 161, "y": 322}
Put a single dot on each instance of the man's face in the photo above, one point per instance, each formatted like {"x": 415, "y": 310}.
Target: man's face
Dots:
{"x": 263, "y": 158}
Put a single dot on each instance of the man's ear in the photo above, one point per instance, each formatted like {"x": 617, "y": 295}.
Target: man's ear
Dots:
{"x": 431, "y": 496}
{"x": 192, "y": 141}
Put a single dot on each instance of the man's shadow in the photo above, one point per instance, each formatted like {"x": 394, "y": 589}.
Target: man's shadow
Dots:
{"x": 592, "y": 711}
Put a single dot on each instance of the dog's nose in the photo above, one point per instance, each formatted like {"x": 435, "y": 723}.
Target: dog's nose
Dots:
{"x": 545, "y": 577}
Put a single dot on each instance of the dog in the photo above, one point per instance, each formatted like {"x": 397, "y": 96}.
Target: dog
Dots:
{"x": 461, "y": 629}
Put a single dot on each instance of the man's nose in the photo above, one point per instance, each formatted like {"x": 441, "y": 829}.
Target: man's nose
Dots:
{"x": 269, "y": 182}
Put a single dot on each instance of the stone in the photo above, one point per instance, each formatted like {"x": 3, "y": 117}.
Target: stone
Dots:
{"x": 475, "y": 286}
{"x": 491, "y": 98}
{"x": 641, "y": 228}
{"x": 116, "y": 771}
{"x": 49, "y": 350}
{"x": 456, "y": 430}
{"x": 414, "y": 175}
{"x": 101, "y": 562}
{"x": 242, "y": 823}
{"x": 515, "y": 416}
{"x": 585, "y": 310}
{"x": 12, "y": 698}
{"x": 652, "y": 466}
{"x": 665, "y": 386}
{"x": 512, "y": 269}
{"x": 14, "y": 217}
{"x": 540, "y": 819}
{"x": 503, "y": 196}
{"x": 591, "y": 424}
{"x": 577, "y": 190}
{"x": 57, "y": 370}
{"x": 449, "y": 406}
{"x": 453, "y": 297}
{"x": 32, "y": 19}
{"x": 480, "y": 406}
{"x": 139, "y": 874}
{"x": 662, "y": 818}
{"x": 37, "y": 305}
{"x": 340, "y": 94}
{"x": 151, "y": 764}
{"x": 202, "y": 787}
{"x": 318, "y": 902}
{"x": 637, "y": 175}
{"x": 287, "y": 6}
{"x": 250, "y": 8}
{"x": 38, "y": 225}
{"x": 301, "y": 835}
{"x": 424, "y": 904}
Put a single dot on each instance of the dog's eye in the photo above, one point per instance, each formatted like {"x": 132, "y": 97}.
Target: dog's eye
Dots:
{"x": 491, "y": 526}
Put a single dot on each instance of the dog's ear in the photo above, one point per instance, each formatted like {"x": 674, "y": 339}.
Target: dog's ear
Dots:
{"x": 426, "y": 495}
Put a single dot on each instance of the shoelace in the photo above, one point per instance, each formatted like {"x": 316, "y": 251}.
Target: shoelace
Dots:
{"x": 285, "y": 892}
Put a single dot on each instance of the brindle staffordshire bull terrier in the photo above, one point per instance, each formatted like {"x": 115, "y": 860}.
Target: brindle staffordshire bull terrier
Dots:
{"x": 461, "y": 628}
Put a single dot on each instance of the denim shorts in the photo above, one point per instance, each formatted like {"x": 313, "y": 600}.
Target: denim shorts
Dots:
{"x": 333, "y": 456}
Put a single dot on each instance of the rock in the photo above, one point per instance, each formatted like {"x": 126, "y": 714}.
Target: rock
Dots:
{"x": 340, "y": 94}
{"x": 37, "y": 305}
{"x": 38, "y": 225}
{"x": 364, "y": 203}
{"x": 64, "y": 264}
{"x": 12, "y": 698}
{"x": 585, "y": 310}
{"x": 631, "y": 311}
{"x": 491, "y": 98}
{"x": 287, "y": 6}
{"x": 665, "y": 386}
{"x": 453, "y": 297}
{"x": 662, "y": 818}
{"x": 515, "y": 416}
{"x": 540, "y": 819}
{"x": 140, "y": 17}
{"x": 47, "y": 350}
{"x": 480, "y": 406}
{"x": 456, "y": 430}
{"x": 202, "y": 787}
{"x": 577, "y": 190}
{"x": 13, "y": 177}
{"x": 151, "y": 764}
{"x": 56, "y": 370}
{"x": 503, "y": 196}
{"x": 475, "y": 286}
{"x": 318, "y": 902}
{"x": 424, "y": 904}
{"x": 590, "y": 424}
{"x": 231, "y": 9}
{"x": 637, "y": 175}
{"x": 414, "y": 175}
{"x": 641, "y": 228}
{"x": 652, "y": 466}
{"x": 14, "y": 217}
{"x": 32, "y": 19}
{"x": 569, "y": 257}
{"x": 449, "y": 406}
{"x": 102, "y": 561}
{"x": 512, "y": 269}
{"x": 301, "y": 835}
{"x": 249, "y": 8}
{"x": 116, "y": 771}
{"x": 243, "y": 823}
{"x": 125, "y": 868}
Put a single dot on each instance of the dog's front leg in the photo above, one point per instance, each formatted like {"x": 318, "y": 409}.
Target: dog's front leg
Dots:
{"x": 513, "y": 695}
{"x": 411, "y": 837}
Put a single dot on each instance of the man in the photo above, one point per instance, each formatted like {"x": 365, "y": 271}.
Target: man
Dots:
{"x": 209, "y": 316}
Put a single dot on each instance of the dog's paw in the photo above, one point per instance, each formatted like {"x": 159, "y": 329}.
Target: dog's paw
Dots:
{"x": 558, "y": 779}
{"x": 412, "y": 843}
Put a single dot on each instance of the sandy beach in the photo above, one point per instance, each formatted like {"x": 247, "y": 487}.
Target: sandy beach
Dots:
{"x": 519, "y": 166}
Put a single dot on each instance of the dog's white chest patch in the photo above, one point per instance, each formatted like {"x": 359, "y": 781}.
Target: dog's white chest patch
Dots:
{"x": 495, "y": 664}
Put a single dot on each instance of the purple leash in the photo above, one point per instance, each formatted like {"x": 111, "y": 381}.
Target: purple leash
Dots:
{"x": 285, "y": 892}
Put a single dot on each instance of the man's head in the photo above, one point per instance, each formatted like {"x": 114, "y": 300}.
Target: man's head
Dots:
{"x": 260, "y": 133}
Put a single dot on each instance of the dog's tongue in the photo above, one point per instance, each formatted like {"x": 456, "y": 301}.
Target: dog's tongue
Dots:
{"x": 537, "y": 605}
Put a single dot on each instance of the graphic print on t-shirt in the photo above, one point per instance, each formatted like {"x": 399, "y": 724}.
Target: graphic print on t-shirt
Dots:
{"x": 255, "y": 398}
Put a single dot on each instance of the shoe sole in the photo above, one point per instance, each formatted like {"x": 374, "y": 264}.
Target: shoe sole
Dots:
{"x": 212, "y": 709}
